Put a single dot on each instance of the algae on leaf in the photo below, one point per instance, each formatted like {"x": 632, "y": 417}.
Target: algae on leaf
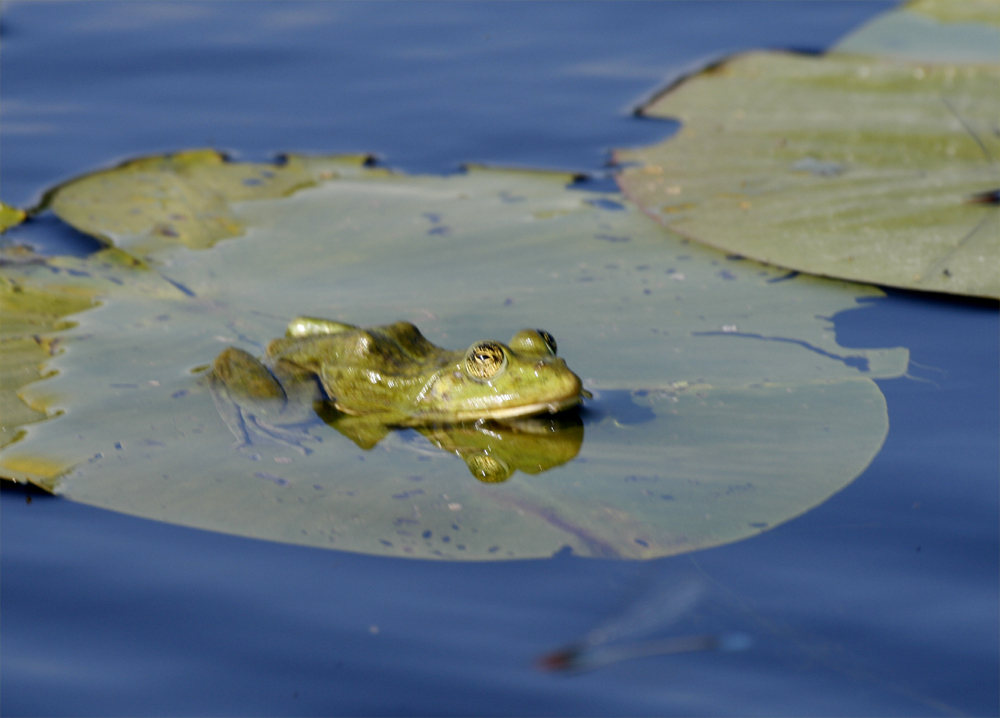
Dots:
{"x": 722, "y": 406}
{"x": 185, "y": 197}
{"x": 40, "y": 300}
{"x": 31, "y": 316}
{"x": 851, "y": 166}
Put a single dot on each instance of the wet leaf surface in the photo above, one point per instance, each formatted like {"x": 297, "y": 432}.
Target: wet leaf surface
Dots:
{"x": 931, "y": 31}
{"x": 860, "y": 166}
{"x": 722, "y": 405}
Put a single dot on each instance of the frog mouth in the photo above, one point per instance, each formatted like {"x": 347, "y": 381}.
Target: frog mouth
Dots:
{"x": 543, "y": 407}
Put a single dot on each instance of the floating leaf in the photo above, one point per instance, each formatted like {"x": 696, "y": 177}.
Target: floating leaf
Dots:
{"x": 723, "y": 404}
{"x": 31, "y": 316}
{"x": 845, "y": 166}
{"x": 931, "y": 31}
{"x": 962, "y": 11}
{"x": 185, "y": 197}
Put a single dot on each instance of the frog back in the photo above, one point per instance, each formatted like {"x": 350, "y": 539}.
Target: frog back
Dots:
{"x": 373, "y": 370}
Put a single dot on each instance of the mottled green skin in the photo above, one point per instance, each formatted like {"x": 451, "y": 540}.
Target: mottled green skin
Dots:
{"x": 389, "y": 374}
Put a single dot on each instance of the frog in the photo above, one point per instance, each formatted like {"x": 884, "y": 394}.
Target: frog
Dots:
{"x": 365, "y": 381}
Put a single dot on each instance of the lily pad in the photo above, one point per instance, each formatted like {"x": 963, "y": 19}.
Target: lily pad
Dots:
{"x": 31, "y": 319}
{"x": 852, "y": 166}
{"x": 931, "y": 31}
{"x": 722, "y": 403}
{"x": 185, "y": 198}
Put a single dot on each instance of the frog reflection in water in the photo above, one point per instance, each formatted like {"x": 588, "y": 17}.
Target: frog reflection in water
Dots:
{"x": 364, "y": 382}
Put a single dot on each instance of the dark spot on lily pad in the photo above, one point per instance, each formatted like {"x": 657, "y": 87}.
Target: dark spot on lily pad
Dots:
{"x": 278, "y": 480}
{"x": 783, "y": 278}
{"x": 606, "y": 204}
{"x": 817, "y": 167}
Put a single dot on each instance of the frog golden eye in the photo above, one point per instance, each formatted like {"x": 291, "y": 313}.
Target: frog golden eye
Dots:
{"x": 485, "y": 360}
{"x": 533, "y": 341}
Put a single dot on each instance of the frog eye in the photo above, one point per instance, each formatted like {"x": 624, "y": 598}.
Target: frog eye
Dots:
{"x": 485, "y": 360}
{"x": 548, "y": 339}
{"x": 533, "y": 341}
{"x": 487, "y": 469}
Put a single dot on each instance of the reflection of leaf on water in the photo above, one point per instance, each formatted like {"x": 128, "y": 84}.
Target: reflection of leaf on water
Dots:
{"x": 857, "y": 164}
{"x": 722, "y": 406}
{"x": 626, "y": 635}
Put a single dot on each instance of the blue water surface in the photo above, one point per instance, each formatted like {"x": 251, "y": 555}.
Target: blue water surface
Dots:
{"x": 882, "y": 601}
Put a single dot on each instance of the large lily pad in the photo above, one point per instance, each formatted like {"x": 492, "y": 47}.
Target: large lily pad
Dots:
{"x": 862, "y": 167}
{"x": 723, "y": 404}
{"x": 931, "y": 31}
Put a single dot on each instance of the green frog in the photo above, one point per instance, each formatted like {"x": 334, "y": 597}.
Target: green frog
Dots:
{"x": 382, "y": 377}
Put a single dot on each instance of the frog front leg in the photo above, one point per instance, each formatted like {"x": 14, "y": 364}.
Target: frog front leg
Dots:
{"x": 256, "y": 406}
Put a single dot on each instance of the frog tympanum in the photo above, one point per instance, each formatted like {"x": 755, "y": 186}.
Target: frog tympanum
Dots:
{"x": 364, "y": 382}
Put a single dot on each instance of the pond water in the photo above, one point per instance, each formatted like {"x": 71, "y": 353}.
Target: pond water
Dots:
{"x": 881, "y": 601}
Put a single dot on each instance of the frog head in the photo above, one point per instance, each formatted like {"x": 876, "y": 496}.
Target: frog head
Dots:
{"x": 499, "y": 381}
